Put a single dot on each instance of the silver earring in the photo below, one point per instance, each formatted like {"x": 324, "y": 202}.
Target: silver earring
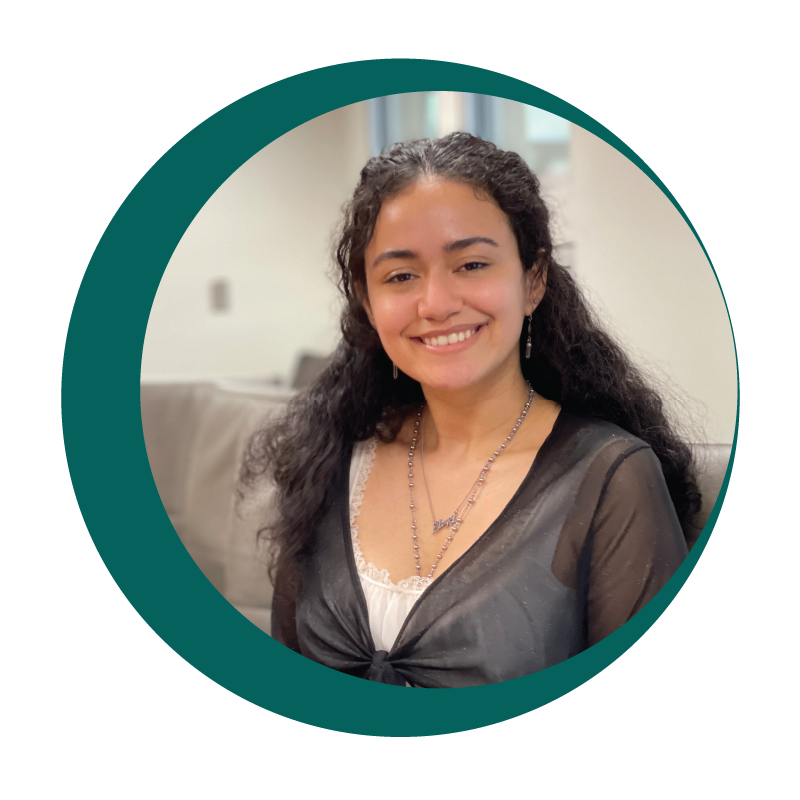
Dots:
{"x": 394, "y": 370}
{"x": 528, "y": 345}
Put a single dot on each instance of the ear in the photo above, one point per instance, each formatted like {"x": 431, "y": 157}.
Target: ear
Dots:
{"x": 361, "y": 294}
{"x": 536, "y": 284}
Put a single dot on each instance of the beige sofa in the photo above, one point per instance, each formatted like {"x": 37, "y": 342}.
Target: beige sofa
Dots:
{"x": 195, "y": 433}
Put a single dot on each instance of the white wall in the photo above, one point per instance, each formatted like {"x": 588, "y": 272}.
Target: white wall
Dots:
{"x": 648, "y": 276}
{"x": 267, "y": 230}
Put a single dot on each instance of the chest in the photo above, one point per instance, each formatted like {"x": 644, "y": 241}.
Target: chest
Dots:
{"x": 440, "y": 491}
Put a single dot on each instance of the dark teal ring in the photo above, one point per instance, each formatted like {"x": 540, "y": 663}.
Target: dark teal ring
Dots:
{"x": 105, "y": 445}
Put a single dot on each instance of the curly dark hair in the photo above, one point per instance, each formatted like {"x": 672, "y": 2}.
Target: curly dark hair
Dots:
{"x": 573, "y": 362}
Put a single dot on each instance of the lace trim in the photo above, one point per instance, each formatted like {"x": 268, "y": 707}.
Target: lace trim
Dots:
{"x": 367, "y": 568}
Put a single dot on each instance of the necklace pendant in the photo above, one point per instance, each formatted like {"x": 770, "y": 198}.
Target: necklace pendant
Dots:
{"x": 438, "y": 524}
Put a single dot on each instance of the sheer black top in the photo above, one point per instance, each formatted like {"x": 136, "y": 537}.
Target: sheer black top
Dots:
{"x": 587, "y": 540}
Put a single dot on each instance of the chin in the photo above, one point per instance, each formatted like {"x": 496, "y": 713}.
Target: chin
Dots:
{"x": 449, "y": 380}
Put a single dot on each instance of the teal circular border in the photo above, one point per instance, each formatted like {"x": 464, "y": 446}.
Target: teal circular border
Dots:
{"x": 105, "y": 448}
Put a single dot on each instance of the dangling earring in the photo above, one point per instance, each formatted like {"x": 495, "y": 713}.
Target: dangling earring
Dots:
{"x": 394, "y": 370}
{"x": 528, "y": 345}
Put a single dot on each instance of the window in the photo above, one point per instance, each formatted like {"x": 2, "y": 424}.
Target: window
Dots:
{"x": 541, "y": 138}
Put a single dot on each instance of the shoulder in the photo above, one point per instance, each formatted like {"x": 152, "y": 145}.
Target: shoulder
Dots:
{"x": 599, "y": 430}
{"x": 620, "y": 484}
{"x": 594, "y": 440}
{"x": 373, "y": 452}
{"x": 617, "y": 468}
{"x": 604, "y": 460}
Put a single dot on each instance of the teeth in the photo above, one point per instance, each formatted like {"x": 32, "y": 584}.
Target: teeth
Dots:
{"x": 453, "y": 338}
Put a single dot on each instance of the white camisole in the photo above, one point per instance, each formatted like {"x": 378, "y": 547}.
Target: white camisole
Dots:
{"x": 388, "y": 603}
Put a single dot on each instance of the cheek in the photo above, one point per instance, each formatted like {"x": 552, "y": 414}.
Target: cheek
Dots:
{"x": 499, "y": 299}
{"x": 390, "y": 313}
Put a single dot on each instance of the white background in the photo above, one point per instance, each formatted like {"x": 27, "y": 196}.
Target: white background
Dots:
{"x": 96, "y": 705}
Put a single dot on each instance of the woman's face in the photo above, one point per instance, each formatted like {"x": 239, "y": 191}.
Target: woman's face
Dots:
{"x": 446, "y": 290}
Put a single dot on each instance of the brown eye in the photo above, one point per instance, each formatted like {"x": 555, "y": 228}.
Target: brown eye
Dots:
{"x": 401, "y": 277}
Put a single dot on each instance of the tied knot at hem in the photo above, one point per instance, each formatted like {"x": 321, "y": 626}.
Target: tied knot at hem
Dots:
{"x": 382, "y": 671}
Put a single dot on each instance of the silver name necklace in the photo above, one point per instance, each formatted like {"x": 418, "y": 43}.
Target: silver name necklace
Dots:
{"x": 470, "y": 501}
{"x": 438, "y": 524}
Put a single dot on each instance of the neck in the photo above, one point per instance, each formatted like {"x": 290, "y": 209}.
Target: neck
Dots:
{"x": 469, "y": 420}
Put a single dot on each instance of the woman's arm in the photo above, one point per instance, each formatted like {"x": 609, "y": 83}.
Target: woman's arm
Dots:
{"x": 635, "y": 543}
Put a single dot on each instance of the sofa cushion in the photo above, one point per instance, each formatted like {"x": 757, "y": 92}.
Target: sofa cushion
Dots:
{"x": 195, "y": 436}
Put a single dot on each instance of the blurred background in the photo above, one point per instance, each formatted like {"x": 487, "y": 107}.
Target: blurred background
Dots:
{"x": 247, "y": 311}
{"x": 248, "y": 294}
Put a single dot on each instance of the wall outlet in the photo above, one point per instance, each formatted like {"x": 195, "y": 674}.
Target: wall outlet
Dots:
{"x": 220, "y": 295}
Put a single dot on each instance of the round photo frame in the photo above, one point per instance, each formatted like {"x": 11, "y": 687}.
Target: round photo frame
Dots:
{"x": 102, "y": 423}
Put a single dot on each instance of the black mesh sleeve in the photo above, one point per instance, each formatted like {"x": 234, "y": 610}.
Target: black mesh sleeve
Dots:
{"x": 636, "y": 542}
{"x": 284, "y": 622}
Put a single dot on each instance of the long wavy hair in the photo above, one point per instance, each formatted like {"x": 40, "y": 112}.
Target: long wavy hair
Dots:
{"x": 574, "y": 361}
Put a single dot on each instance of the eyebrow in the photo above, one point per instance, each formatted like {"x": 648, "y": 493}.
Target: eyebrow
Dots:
{"x": 450, "y": 247}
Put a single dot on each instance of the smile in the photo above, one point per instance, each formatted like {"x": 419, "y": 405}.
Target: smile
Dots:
{"x": 445, "y": 341}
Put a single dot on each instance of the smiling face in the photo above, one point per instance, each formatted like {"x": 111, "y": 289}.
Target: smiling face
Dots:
{"x": 446, "y": 290}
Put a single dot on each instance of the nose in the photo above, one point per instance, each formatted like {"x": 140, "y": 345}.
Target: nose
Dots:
{"x": 439, "y": 298}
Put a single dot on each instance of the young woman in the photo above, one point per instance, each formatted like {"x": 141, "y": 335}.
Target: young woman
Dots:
{"x": 480, "y": 485}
